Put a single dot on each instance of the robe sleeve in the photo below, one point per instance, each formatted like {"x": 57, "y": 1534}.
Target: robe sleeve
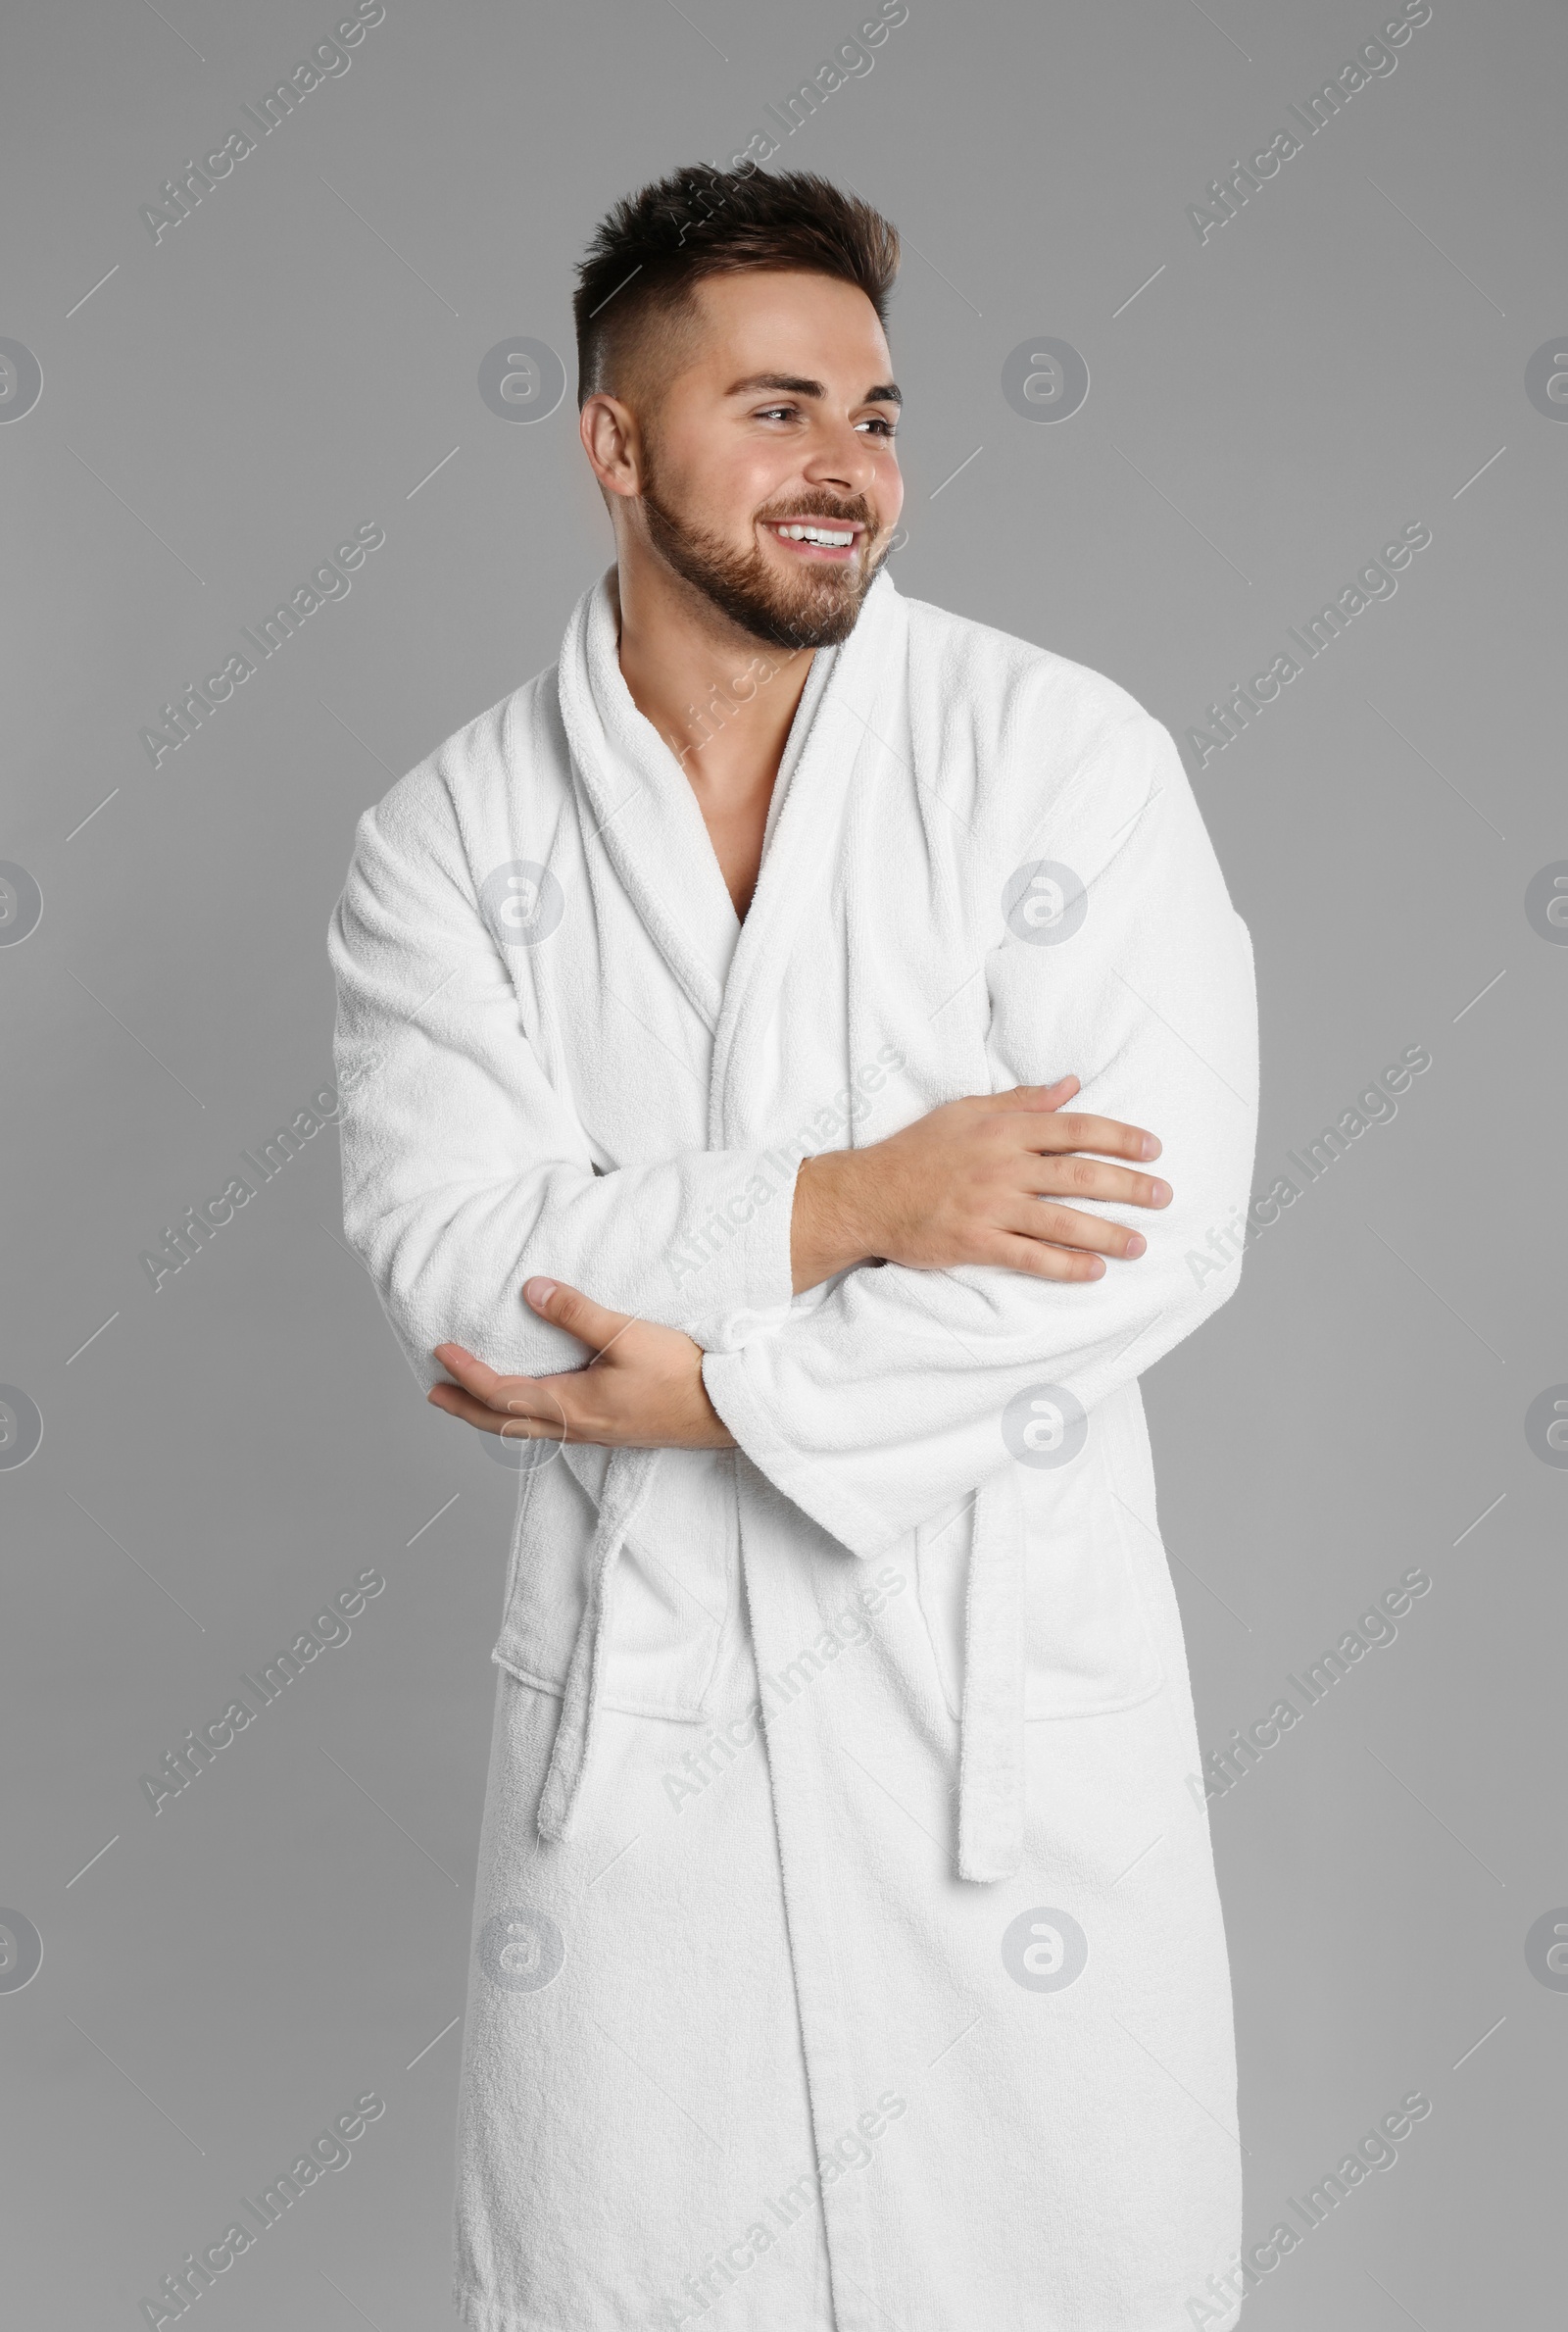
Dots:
{"x": 889, "y": 1400}
{"x": 465, "y": 1171}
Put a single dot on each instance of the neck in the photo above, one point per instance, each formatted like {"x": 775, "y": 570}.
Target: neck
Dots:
{"x": 721, "y": 699}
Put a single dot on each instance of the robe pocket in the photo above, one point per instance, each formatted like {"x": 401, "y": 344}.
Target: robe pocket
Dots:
{"x": 1089, "y": 1648}
{"x": 668, "y": 1611}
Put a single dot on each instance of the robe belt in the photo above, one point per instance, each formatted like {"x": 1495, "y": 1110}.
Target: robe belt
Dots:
{"x": 991, "y": 1769}
{"x": 991, "y": 1757}
{"x": 628, "y": 1477}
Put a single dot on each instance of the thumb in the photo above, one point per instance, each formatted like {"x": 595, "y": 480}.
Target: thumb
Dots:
{"x": 1041, "y": 1097}
{"x": 593, "y": 1324}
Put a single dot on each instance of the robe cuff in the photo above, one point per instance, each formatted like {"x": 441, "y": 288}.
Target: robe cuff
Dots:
{"x": 812, "y": 1485}
{"x": 732, "y": 1271}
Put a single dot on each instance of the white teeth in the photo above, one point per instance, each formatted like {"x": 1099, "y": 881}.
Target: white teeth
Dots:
{"x": 820, "y": 534}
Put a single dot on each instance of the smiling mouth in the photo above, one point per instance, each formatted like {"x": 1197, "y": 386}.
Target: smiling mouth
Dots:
{"x": 818, "y": 541}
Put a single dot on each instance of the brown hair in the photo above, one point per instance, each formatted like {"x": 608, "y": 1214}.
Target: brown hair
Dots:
{"x": 647, "y": 252}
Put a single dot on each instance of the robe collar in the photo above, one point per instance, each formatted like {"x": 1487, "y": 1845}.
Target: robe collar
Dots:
{"x": 642, "y": 809}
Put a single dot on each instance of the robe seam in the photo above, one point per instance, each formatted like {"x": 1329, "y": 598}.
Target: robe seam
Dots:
{"x": 618, "y": 1708}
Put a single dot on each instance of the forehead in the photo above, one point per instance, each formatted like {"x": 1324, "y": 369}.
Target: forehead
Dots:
{"x": 775, "y": 319}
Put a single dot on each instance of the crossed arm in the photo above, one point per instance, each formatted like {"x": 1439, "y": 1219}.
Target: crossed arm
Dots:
{"x": 980, "y": 1180}
{"x": 466, "y": 1176}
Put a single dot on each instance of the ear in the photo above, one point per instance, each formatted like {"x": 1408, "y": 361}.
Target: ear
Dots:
{"x": 613, "y": 443}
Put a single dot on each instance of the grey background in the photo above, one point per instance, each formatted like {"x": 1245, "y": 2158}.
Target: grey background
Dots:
{"x": 1340, "y": 359}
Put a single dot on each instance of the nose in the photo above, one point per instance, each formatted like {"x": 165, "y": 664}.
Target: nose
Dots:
{"x": 842, "y": 459}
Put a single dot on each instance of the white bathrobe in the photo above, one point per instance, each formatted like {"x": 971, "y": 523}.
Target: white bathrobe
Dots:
{"x": 847, "y": 1949}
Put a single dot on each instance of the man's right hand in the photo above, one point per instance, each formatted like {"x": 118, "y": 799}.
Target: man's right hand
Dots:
{"x": 976, "y": 1181}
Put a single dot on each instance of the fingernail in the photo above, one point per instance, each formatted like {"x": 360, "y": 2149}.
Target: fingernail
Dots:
{"x": 539, "y": 1291}
{"x": 1134, "y": 1245}
{"x": 1161, "y": 1191}
{"x": 1151, "y": 1146}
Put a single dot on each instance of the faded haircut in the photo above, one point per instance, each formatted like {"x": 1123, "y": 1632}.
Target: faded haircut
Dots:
{"x": 635, "y": 281}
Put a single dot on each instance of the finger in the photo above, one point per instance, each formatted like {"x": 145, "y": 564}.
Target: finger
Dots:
{"x": 511, "y": 1427}
{"x": 473, "y": 1374}
{"x": 1064, "y": 1226}
{"x": 593, "y": 1324}
{"x": 507, "y": 1396}
{"x": 511, "y": 1396}
{"x": 1109, "y": 1135}
{"x": 1039, "y": 1262}
{"x": 1074, "y": 1176}
{"x": 1033, "y": 1097}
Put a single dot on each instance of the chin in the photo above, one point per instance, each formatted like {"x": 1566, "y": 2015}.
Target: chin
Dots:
{"x": 786, "y": 612}
{"x": 837, "y": 623}
{"x": 782, "y": 611}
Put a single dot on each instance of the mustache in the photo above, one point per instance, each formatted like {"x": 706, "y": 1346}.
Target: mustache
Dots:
{"x": 855, "y": 512}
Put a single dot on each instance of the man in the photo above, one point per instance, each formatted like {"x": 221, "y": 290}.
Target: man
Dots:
{"x": 847, "y": 1949}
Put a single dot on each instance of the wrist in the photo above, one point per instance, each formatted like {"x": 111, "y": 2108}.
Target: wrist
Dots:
{"x": 713, "y": 1433}
{"x": 833, "y": 1225}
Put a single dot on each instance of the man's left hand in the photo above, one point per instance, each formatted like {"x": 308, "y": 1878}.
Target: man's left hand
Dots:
{"x": 641, "y": 1390}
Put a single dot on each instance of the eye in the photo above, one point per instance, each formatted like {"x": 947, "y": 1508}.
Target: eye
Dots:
{"x": 769, "y": 413}
{"x": 878, "y": 422}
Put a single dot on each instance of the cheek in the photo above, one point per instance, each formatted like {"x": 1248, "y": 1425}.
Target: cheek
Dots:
{"x": 727, "y": 494}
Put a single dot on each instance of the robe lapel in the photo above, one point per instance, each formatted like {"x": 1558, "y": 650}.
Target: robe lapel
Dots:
{"x": 642, "y": 809}
{"x": 803, "y": 853}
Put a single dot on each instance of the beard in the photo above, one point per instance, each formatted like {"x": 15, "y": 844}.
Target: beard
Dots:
{"x": 815, "y": 608}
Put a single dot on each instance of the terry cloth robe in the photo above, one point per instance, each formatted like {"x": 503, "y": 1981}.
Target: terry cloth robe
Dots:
{"x": 847, "y": 1949}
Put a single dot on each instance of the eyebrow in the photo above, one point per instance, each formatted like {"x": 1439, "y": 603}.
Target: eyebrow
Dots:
{"x": 887, "y": 392}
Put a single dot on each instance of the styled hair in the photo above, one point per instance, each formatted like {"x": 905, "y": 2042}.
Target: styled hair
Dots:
{"x": 647, "y": 254}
